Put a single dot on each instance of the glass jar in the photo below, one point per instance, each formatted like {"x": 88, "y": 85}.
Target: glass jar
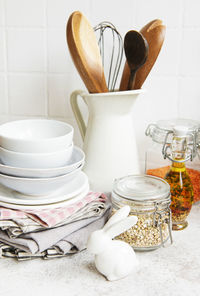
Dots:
{"x": 149, "y": 199}
{"x": 157, "y": 156}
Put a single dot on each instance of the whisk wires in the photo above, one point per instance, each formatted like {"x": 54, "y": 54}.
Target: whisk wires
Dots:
{"x": 116, "y": 51}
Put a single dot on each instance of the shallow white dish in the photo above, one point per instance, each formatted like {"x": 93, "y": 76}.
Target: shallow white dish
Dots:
{"x": 37, "y": 186}
{"x": 77, "y": 159}
{"x": 36, "y": 160}
{"x": 36, "y": 135}
{"x": 68, "y": 191}
{"x": 45, "y": 206}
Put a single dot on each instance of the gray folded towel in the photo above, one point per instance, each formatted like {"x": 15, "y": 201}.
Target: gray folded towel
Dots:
{"x": 72, "y": 236}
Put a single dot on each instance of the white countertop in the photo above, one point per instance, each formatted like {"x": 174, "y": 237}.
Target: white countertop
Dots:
{"x": 169, "y": 271}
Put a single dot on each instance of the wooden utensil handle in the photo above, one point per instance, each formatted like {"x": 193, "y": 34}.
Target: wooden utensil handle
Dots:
{"x": 131, "y": 79}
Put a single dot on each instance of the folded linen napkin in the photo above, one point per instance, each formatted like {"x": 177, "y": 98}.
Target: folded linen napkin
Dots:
{"x": 51, "y": 217}
{"x": 26, "y": 225}
{"x": 17, "y": 222}
{"x": 67, "y": 238}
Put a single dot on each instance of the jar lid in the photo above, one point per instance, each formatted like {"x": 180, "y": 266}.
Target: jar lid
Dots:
{"x": 161, "y": 128}
{"x": 142, "y": 188}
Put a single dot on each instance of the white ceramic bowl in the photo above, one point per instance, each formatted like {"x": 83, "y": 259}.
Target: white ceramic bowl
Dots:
{"x": 37, "y": 186}
{"x": 36, "y": 160}
{"x": 77, "y": 159}
{"x": 36, "y": 135}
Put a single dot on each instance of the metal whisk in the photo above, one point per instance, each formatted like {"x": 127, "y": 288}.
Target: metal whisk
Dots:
{"x": 111, "y": 53}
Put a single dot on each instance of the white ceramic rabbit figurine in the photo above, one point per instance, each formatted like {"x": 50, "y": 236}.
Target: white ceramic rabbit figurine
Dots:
{"x": 113, "y": 258}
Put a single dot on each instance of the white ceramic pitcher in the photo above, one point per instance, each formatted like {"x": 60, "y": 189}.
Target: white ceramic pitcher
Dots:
{"x": 109, "y": 139}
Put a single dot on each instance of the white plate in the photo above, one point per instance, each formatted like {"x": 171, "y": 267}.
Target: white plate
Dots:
{"x": 46, "y": 206}
{"x": 38, "y": 186}
{"x": 69, "y": 190}
{"x": 76, "y": 160}
{"x": 7, "y": 198}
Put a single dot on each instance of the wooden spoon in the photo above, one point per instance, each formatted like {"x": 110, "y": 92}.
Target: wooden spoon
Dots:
{"x": 154, "y": 33}
{"x": 85, "y": 52}
{"x": 136, "y": 51}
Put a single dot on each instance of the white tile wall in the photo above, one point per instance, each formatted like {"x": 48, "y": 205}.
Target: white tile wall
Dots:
{"x": 191, "y": 13}
{"x": 26, "y": 51}
{"x": 37, "y": 74}
{"x": 58, "y": 11}
{"x": 159, "y": 102}
{"x": 1, "y": 13}
{"x": 60, "y": 87}
{"x": 25, "y": 13}
{"x": 169, "y": 11}
{"x": 2, "y": 50}
{"x": 59, "y": 59}
{"x": 27, "y": 94}
{"x": 122, "y": 15}
{"x": 58, "y": 96}
{"x": 3, "y": 95}
{"x": 169, "y": 58}
{"x": 189, "y": 98}
{"x": 190, "y": 52}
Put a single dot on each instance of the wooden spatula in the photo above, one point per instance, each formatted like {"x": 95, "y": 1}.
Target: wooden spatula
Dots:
{"x": 154, "y": 33}
{"x": 85, "y": 52}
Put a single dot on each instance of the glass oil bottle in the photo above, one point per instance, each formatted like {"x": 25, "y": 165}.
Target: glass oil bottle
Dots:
{"x": 177, "y": 177}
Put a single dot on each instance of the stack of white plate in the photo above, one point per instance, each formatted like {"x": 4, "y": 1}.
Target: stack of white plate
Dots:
{"x": 39, "y": 165}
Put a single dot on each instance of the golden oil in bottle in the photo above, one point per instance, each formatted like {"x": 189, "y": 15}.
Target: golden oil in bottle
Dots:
{"x": 181, "y": 194}
{"x": 180, "y": 183}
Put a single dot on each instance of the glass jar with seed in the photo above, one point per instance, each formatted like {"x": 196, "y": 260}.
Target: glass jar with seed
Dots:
{"x": 149, "y": 199}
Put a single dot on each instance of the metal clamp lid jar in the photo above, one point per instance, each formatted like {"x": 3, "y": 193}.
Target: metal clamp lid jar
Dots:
{"x": 149, "y": 199}
{"x": 163, "y": 131}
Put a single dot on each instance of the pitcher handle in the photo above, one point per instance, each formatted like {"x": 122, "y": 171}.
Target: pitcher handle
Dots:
{"x": 77, "y": 112}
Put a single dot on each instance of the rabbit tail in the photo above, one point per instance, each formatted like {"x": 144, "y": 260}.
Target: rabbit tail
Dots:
{"x": 120, "y": 271}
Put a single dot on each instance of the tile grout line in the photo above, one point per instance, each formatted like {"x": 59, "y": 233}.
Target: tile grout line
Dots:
{"x": 179, "y": 59}
{"x": 46, "y": 62}
{"x": 8, "y": 111}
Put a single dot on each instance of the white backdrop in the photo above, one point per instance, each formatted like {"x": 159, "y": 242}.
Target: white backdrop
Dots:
{"x": 37, "y": 74}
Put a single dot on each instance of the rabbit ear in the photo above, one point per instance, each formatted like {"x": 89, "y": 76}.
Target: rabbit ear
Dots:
{"x": 118, "y": 216}
{"x": 121, "y": 226}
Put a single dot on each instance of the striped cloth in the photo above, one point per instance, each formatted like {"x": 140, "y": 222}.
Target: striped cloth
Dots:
{"x": 51, "y": 217}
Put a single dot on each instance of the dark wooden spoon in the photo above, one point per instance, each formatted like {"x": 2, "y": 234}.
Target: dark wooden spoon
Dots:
{"x": 136, "y": 51}
{"x": 154, "y": 33}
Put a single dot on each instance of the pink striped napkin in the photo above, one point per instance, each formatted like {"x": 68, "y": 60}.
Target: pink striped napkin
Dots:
{"x": 51, "y": 217}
